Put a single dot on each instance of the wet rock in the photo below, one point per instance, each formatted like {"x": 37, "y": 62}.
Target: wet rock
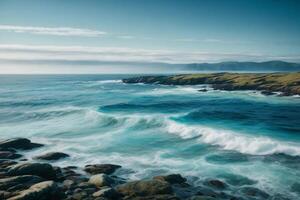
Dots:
{"x": 254, "y": 192}
{"x": 172, "y": 178}
{"x": 108, "y": 192}
{"x": 85, "y": 185}
{"x": 43, "y": 170}
{"x": 267, "y": 93}
{"x": 154, "y": 197}
{"x": 101, "y": 168}
{"x": 9, "y": 155}
{"x": 47, "y": 190}
{"x": 217, "y": 184}
{"x": 67, "y": 184}
{"x": 6, "y": 163}
{"x": 5, "y": 195}
{"x": 202, "y": 90}
{"x": 19, "y": 143}
{"x": 100, "y": 180}
{"x": 202, "y": 191}
{"x": 70, "y": 167}
{"x": 26, "y": 181}
{"x": 80, "y": 195}
{"x": 145, "y": 188}
{"x": 52, "y": 156}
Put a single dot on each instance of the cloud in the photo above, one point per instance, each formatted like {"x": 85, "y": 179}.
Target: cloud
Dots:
{"x": 126, "y": 37}
{"x": 97, "y": 55}
{"x": 209, "y": 40}
{"x": 58, "y": 31}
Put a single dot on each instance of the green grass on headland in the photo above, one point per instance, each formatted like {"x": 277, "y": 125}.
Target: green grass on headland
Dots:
{"x": 286, "y": 83}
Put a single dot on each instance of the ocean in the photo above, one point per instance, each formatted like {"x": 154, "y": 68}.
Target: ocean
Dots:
{"x": 241, "y": 137}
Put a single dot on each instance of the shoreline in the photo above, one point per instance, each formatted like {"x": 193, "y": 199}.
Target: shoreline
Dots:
{"x": 287, "y": 84}
{"x": 21, "y": 179}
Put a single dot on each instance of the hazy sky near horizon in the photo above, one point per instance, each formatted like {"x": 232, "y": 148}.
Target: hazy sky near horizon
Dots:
{"x": 49, "y": 36}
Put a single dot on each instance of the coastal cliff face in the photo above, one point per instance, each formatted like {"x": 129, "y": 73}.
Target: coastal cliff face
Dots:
{"x": 286, "y": 83}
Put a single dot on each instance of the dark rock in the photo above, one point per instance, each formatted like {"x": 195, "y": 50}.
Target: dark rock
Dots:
{"x": 107, "y": 192}
{"x": 47, "y": 190}
{"x": 9, "y": 155}
{"x": 70, "y": 167}
{"x": 52, "y": 156}
{"x": 26, "y": 181}
{"x": 43, "y": 170}
{"x": 67, "y": 184}
{"x": 172, "y": 178}
{"x": 85, "y": 185}
{"x": 101, "y": 168}
{"x": 6, "y": 163}
{"x": 254, "y": 192}
{"x": 5, "y": 195}
{"x": 90, "y": 191}
{"x": 100, "y": 180}
{"x": 202, "y": 191}
{"x": 202, "y": 90}
{"x": 80, "y": 196}
{"x": 267, "y": 93}
{"x": 154, "y": 197}
{"x": 18, "y": 143}
{"x": 215, "y": 184}
{"x": 145, "y": 188}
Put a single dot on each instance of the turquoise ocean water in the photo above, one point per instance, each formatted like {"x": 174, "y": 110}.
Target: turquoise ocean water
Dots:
{"x": 243, "y": 137}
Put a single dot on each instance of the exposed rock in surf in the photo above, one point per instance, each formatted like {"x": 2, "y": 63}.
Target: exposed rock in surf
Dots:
{"x": 267, "y": 93}
{"x": 254, "y": 192}
{"x": 47, "y": 190}
{"x": 18, "y": 143}
{"x": 203, "y": 90}
{"x": 108, "y": 193}
{"x": 9, "y": 155}
{"x": 101, "y": 168}
{"x": 6, "y": 163}
{"x": 172, "y": 178}
{"x": 145, "y": 188}
{"x": 52, "y": 156}
{"x": 43, "y": 170}
{"x": 217, "y": 184}
{"x": 154, "y": 197}
{"x": 25, "y": 181}
{"x": 101, "y": 180}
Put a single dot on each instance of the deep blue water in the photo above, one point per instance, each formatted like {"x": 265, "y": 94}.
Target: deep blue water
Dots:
{"x": 242, "y": 137}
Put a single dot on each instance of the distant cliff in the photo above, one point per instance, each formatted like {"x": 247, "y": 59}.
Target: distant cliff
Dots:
{"x": 244, "y": 66}
{"x": 286, "y": 83}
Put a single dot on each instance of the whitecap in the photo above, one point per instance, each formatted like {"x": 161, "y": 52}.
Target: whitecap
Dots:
{"x": 229, "y": 140}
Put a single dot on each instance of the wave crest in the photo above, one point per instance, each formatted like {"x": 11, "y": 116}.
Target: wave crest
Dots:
{"x": 229, "y": 140}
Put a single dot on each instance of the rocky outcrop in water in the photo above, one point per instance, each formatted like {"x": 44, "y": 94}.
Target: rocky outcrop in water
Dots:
{"x": 52, "y": 156}
{"x": 23, "y": 180}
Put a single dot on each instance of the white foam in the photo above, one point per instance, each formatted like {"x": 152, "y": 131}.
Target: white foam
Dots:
{"x": 176, "y": 90}
{"x": 259, "y": 145}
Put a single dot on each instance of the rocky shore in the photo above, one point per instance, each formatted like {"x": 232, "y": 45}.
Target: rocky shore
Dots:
{"x": 286, "y": 84}
{"x": 21, "y": 179}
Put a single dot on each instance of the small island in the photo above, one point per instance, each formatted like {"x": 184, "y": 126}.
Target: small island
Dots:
{"x": 287, "y": 84}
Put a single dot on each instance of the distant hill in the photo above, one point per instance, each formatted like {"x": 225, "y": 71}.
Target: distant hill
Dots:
{"x": 244, "y": 66}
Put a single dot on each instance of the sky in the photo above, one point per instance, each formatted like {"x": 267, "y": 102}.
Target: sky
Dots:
{"x": 93, "y": 36}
